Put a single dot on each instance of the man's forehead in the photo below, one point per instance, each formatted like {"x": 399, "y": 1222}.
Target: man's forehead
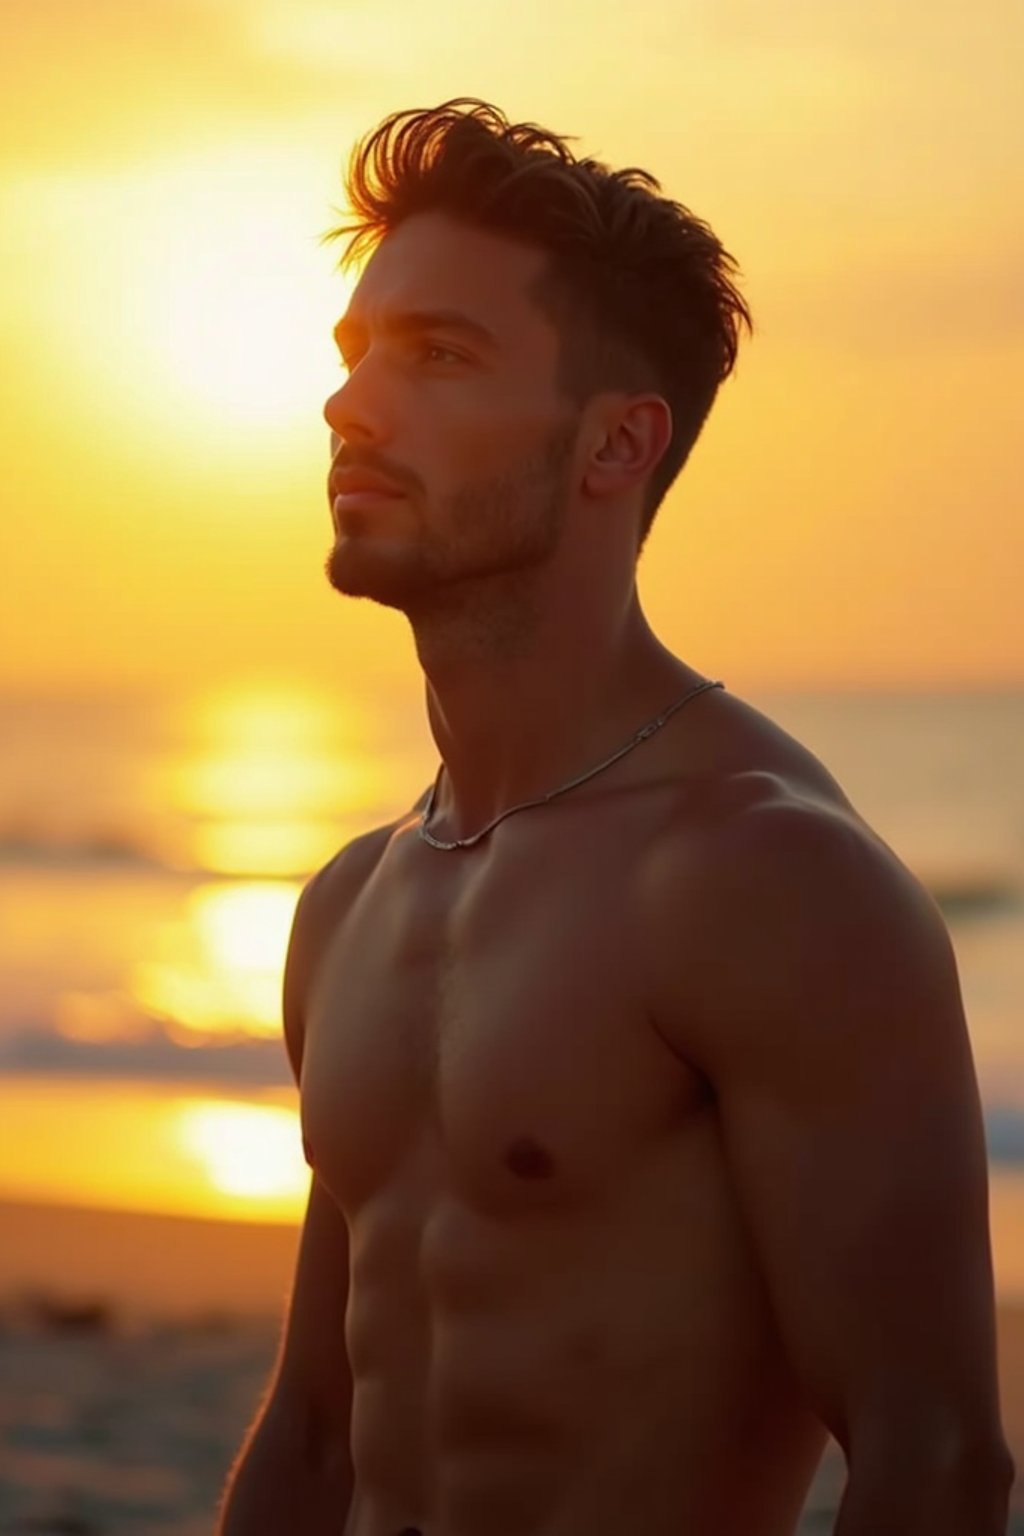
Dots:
{"x": 430, "y": 263}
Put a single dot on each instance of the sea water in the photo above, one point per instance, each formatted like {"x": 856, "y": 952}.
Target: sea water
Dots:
{"x": 152, "y": 849}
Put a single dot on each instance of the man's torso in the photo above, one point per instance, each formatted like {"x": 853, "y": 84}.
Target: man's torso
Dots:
{"x": 556, "y": 1323}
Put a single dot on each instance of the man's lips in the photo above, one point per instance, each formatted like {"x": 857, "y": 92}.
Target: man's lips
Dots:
{"x": 345, "y": 485}
{"x": 349, "y": 500}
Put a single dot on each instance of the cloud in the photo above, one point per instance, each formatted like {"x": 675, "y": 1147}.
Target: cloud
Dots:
{"x": 117, "y": 81}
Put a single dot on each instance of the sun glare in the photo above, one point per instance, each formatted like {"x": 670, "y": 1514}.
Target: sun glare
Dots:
{"x": 222, "y": 971}
{"x": 247, "y": 1151}
{"x": 244, "y": 293}
{"x": 210, "y": 298}
{"x": 151, "y": 1146}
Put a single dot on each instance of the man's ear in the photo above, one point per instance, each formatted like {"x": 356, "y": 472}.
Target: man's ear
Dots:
{"x": 627, "y": 445}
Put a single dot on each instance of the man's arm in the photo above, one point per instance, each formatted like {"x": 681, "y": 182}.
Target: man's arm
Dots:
{"x": 814, "y": 982}
{"x": 293, "y": 1473}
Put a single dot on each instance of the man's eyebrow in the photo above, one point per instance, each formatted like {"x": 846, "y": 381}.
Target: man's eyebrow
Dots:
{"x": 410, "y": 321}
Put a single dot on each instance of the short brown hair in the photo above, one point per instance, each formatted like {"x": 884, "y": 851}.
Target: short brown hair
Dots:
{"x": 640, "y": 289}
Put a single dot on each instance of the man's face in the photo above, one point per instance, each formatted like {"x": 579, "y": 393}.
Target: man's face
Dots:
{"x": 465, "y": 421}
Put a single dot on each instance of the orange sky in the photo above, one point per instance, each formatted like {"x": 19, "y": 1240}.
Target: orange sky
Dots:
{"x": 851, "y": 512}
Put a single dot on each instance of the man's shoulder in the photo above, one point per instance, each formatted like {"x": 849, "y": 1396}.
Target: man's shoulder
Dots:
{"x": 325, "y": 899}
{"x": 350, "y": 865}
{"x": 757, "y": 793}
{"x": 749, "y": 834}
{"x": 770, "y": 845}
{"x": 332, "y": 889}
{"x": 785, "y": 901}
{"x": 766, "y": 877}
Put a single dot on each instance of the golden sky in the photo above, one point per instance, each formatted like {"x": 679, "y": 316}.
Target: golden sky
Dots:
{"x": 851, "y": 513}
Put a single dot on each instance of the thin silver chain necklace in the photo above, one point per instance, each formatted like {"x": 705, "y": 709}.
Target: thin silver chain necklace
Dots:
{"x": 641, "y": 735}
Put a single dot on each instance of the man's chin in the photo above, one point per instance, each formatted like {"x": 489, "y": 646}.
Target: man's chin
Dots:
{"x": 358, "y": 573}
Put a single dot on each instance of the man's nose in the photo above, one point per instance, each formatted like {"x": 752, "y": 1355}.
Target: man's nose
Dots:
{"x": 349, "y": 421}
{"x": 331, "y": 414}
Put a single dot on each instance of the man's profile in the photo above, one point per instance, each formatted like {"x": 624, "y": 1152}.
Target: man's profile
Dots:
{"x": 645, "y": 1139}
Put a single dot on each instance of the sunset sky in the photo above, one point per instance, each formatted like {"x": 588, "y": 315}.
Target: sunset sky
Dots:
{"x": 850, "y": 518}
{"x": 852, "y": 513}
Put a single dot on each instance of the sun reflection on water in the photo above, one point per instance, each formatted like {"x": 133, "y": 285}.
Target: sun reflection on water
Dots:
{"x": 247, "y": 1151}
{"x": 224, "y": 961}
{"x": 151, "y": 1146}
{"x": 273, "y": 777}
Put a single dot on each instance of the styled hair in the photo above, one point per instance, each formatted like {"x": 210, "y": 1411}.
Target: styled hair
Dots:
{"x": 639, "y": 289}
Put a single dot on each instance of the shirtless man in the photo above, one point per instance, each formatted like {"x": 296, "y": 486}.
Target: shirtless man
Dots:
{"x": 644, "y": 1132}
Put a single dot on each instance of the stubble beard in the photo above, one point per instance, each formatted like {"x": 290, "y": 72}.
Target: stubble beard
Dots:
{"x": 496, "y": 536}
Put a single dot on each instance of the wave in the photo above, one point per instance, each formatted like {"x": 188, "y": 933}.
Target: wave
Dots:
{"x": 964, "y": 893}
{"x": 974, "y": 893}
{"x": 151, "y": 1054}
{"x": 103, "y": 853}
{"x": 92, "y": 851}
{"x": 155, "y": 1054}
{"x": 1004, "y": 1133}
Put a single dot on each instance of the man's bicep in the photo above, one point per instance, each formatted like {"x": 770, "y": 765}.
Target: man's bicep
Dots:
{"x": 869, "y": 1219}
{"x": 852, "y": 1129}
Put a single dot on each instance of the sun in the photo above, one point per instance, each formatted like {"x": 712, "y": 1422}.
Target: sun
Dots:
{"x": 241, "y": 295}
{"x": 240, "y": 326}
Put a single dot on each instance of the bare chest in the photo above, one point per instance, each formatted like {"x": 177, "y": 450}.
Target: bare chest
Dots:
{"x": 482, "y": 1030}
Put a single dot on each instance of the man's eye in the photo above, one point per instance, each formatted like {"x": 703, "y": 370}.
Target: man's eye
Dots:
{"x": 437, "y": 346}
{"x": 424, "y": 349}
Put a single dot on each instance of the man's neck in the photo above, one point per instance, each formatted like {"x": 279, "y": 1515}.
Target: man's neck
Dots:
{"x": 515, "y": 723}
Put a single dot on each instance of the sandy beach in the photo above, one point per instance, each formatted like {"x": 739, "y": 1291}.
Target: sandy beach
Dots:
{"x": 126, "y": 1388}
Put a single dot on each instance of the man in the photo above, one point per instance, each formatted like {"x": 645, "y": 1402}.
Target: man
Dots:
{"x": 635, "y": 1081}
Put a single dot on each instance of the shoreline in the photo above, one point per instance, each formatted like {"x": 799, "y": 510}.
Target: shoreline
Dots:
{"x": 135, "y": 1349}
{"x": 144, "y": 1266}
{"x": 145, "y": 1270}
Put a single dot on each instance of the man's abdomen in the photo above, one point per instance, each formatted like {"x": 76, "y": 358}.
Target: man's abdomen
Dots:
{"x": 570, "y": 1374}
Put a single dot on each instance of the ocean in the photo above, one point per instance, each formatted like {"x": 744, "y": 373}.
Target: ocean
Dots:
{"x": 152, "y": 849}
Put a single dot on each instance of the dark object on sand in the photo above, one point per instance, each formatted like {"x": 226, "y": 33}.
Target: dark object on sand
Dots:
{"x": 59, "y": 1525}
{"x": 56, "y": 1316}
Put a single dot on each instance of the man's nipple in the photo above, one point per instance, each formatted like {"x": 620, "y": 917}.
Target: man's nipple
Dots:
{"x": 529, "y": 1159}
